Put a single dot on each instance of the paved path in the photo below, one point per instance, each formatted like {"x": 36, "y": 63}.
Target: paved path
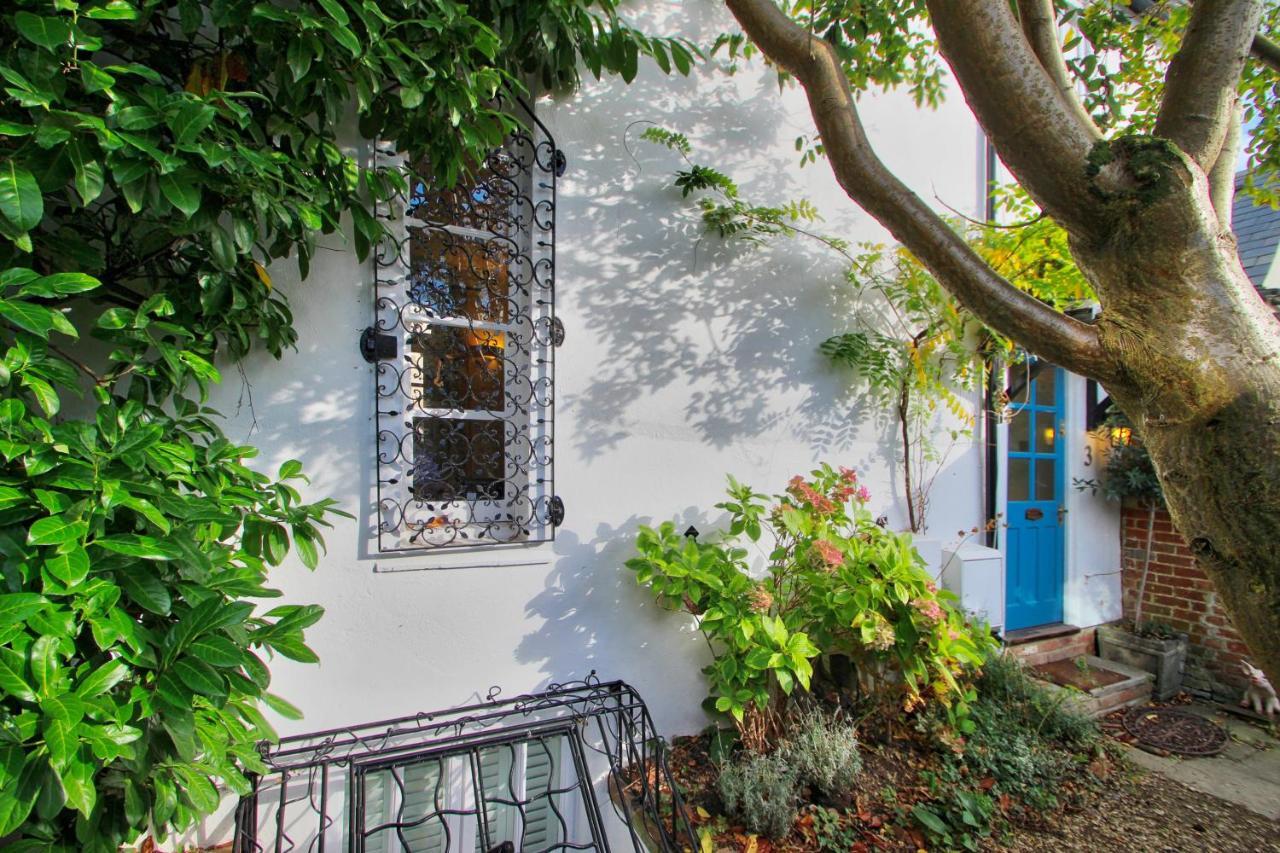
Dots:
{"x": 1247, "y": 772}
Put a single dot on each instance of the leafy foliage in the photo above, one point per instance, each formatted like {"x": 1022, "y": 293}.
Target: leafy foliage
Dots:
{"x": 1122, "y": 66}
{"x": 836, "y": 583}
{"x": 156, "y": 158}
{"x": 1025, "y": 744}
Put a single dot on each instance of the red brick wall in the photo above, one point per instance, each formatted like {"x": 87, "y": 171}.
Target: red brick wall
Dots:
{"x": 1180, "y": 595}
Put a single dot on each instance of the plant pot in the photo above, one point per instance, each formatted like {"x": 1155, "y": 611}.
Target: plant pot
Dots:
{"x": 1165, "y": 659}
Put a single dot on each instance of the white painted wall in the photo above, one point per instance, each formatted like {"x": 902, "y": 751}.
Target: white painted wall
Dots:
{"x": 681, "y": 364}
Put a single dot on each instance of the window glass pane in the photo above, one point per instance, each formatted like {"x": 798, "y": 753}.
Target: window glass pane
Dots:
{"x": 1046, "y": 384}
{"x": 458, "y": 368}
{"x": 1046, "y": 470}
{"x": 485, "y": 199}
{"x": 452, "y": 276}
{"x": 1020, "y": 432}
{"x": 457, "y": 459}
{"x": 1019, "y": 479}
{"x": 1046, "y": 432}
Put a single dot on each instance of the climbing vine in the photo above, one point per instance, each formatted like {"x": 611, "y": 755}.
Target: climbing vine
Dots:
{"x": 158, "y": 159}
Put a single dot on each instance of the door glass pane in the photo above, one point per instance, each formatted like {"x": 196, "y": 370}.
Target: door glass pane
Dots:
{"x": 1020, "y": 432}
{"x": 1019, "y": 479}
{"x": 1046, "y": 386}
{"x": 1046, "y": 470}
{"x": 1046, "y": 432}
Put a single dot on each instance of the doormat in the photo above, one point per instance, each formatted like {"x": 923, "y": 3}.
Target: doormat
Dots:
{"x": 1177, "y": 731}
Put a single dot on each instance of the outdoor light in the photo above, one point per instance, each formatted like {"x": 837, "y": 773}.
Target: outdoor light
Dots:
{"x": 1048, "y": 436}
{"x": 1121, "y": 434}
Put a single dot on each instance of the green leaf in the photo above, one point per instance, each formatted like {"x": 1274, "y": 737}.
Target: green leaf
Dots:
{"x": 36, "y": 319}
{"x": 17, "y": 607}
{"x": 191, "y": 121}
{"x": 77, "y": 780}
{"x": 142, "y": 585}
{"x": 285, "y": 709}
{"x": 44, "y": 394}
{"x": 44, "y": 664}
{"x": 102, "y": 679}
{"x": 49, "y": 33}
{"x": 928, "y": 819}
{"x": 223, "y": 248}
{"x": 217, "y": 651}
{"x": 56, "y": 530}
{"x": 21, "y": 202}
{"x": 89, "y": 180}
{"x": 182, "y": 191}
{"x": 12, "y": 678}
{"x": 71, "y": 568}
{"x": 200, "y": 677}
{"x": 144, "y": 547}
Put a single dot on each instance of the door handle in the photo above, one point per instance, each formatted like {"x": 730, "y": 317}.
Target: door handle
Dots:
{"x": 1062, "y": 513}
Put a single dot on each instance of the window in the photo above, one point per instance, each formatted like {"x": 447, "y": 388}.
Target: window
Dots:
{"x": 463, "y": 339}
{"x": 534, "y": 773}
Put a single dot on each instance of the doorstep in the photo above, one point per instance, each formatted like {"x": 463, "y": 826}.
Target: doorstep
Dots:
{"x": 1049, "y": 643}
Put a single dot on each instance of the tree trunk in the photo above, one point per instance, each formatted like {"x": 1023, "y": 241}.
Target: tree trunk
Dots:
{"x": 1200, "y": 374}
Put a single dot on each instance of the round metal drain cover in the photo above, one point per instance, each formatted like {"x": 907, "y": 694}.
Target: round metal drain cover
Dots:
{"x": 1176, "y": 731}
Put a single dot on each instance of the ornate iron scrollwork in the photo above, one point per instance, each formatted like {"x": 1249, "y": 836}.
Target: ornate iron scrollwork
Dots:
{"x": 471, "y": 778}
{"x": 464, "y": 406}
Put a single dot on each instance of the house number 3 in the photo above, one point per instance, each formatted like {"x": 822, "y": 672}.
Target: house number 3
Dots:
{"x": 1088, "y": 455}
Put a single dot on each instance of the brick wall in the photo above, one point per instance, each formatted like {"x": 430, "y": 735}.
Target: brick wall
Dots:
{"x": 1180, "y": 595}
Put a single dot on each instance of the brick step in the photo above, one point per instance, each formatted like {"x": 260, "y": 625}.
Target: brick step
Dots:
{"x": 1055, "y": 643}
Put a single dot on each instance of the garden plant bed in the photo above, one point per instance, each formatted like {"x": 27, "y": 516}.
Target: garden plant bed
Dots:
{"x": 875, "y": 816}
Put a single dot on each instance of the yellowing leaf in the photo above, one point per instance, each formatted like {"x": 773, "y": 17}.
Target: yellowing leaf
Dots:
{"x": 263, "y": 276}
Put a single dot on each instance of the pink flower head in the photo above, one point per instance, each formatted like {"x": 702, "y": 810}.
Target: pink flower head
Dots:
{"x": 795, "y": 482}
{"x": 863, "y": 494}
{"x": 830, "y": 554}
{"x": 929, "y": 608}
{"x": 848, "y": 475}
{"x": 801, "y": 489}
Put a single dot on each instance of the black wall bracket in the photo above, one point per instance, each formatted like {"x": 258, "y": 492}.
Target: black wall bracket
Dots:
{"x": 375, "y": 346}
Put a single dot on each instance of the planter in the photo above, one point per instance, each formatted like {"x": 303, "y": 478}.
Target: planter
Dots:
{"x": 1165, "y": 659}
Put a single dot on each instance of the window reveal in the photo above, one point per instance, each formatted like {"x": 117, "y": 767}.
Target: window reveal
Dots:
{"x": 466, "y": 289}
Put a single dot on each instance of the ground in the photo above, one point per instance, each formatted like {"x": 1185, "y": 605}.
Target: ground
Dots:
{"x": 1150, "y": 813}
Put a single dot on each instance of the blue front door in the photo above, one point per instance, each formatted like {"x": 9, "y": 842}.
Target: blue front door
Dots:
{"x": 1034, "y": 553}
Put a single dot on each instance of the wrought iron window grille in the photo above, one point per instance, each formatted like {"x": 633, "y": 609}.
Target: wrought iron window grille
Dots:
{"x": 506, "y": 774}
{"x": 463, "y": 340}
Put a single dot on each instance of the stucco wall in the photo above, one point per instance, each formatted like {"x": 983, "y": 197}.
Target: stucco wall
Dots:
{"x": 682, "y": 362}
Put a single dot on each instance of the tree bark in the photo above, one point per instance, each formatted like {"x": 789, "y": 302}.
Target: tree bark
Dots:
{"x": 1184, "y": 344}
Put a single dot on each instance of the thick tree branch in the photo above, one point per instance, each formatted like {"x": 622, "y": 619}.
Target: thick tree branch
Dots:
{"x": 1201, "y": 82}
{"x": 1266, "y": 51}
{"x": 1060, "y": 339}
{"x": 1042, "y": 140}
{"x": 1040, "y": 26}
{"x": 1222, "y": 177}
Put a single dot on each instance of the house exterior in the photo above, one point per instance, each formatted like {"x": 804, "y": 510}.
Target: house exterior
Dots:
{"x": 501, "y": 399}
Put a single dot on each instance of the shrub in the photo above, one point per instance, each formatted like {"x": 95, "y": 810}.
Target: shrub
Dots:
{"x": 836, "y": 584}
{"x": 762, "y": 792}
{"x": 822, "y": 749}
